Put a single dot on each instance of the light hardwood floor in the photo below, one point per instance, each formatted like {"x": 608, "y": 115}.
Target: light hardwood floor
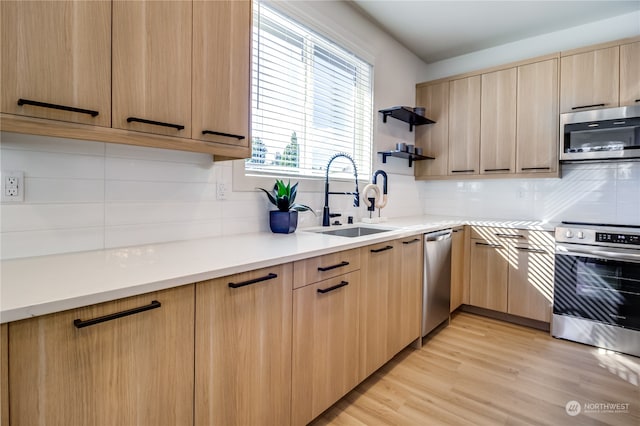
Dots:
{"x": 480, "y": 371}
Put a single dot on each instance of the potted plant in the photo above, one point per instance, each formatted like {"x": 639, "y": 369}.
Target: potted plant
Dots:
{"x": 285, "y": 219}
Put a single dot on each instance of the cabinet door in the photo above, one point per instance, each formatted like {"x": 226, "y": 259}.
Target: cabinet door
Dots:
{"x": 464, "y": 126}
{"x": 498, "y": 122}
{"x": 325, "y": 345}
{"x": 243, "y": 348}
{"x": 488, "y": 275}
{"x": 434, "y": 138}
{"x": 152, "y": 66}
{"x": 43, "y": 63}
{"x": 4, "y": 374}
{"x": 537, "y": 118}
{"x": 134, "y": 370}
{"x": 379, "y": 275}
{"x": 589, "y": 80}
{"x": 405, "y": 295}
{"x": 531, "y": 282}
{"x": 459, "y": 269}
{"x": 629, "y": 72}
{"x": 221, "y": 71}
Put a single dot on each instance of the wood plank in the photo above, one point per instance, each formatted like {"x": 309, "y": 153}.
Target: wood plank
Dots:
{"x": 483, "y": 371}
{"x": 4, "y": 374}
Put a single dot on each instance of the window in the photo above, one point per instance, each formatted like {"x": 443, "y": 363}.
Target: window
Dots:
{"x": 311, "y": 99}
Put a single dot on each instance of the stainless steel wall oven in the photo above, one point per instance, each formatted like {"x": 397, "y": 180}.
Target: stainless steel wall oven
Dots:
{"x": 597, "y": 286}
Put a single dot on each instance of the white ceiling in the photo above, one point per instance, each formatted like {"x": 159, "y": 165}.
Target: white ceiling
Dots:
{"x": 436, "y": 30}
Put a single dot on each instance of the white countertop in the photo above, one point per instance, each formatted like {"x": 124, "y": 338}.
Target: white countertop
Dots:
{"x": 46, "y": 284}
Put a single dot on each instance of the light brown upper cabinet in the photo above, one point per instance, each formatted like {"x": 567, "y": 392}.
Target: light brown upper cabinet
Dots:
{"x": 629, "y": 74}
{"x": 54, "y": 74}
{"x": 537, "y": 118}
{"x": 221, "y": 71}
{"x": 434, "y": 138}
{"x": 589, "y": 80}
{"x": 152, "y": 43}
{"x": 464, "y": 126}
{"x": 498, "y": 122}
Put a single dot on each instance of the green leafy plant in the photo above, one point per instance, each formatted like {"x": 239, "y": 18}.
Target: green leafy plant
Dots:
{"x": 284, "y": 196}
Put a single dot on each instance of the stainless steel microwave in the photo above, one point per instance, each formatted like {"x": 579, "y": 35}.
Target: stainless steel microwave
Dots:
{"x": 602, "y": 134}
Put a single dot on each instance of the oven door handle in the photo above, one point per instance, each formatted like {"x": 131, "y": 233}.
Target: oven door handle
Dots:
{"x": 599, "y": 254}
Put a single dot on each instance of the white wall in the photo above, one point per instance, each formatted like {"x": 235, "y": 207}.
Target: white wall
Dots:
{"x": 88, "y": 195}
{"x": 607, "y": 193}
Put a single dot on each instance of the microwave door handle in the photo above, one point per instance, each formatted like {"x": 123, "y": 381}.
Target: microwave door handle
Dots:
{"x": 598, "y": 254}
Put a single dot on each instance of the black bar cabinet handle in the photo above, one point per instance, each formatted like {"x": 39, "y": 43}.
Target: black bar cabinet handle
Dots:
{"x": 253, "y": 281}
{"x": 335, "y": 287}
{"x": 530, "y": 250}
{"x": 462, "y": 171}
{"x": 519, "y": 236}
{"x": 637, "y": 100}
{"x": 381, "y": 249}
{"x": 489, "y": 245}
{"x": 81, "y": 324}
{"x": 536, "y": 168}
{"x": 328, "y": 268}
{"x": 155, "y": 123}
{"x": 228, "y": 135}
{"x": 54, "y": 106}
{"x": 496, "y": 170}
{"x": 415, "y": 240}
{"x": 588, "y": 106}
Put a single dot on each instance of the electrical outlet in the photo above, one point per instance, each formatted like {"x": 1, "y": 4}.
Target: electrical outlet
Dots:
{"x": 221, "y": 191}
{"x": 12, "y": 186}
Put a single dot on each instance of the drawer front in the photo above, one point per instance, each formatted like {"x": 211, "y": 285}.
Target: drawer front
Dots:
{"x": 493, "y": 234}
{"x": 320, "y": 268}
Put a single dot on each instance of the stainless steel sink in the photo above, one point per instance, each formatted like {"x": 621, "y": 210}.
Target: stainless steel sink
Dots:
{"x": 356, "y": 231}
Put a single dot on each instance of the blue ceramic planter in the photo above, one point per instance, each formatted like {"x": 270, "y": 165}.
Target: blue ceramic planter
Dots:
{"x": 283, "y": 222}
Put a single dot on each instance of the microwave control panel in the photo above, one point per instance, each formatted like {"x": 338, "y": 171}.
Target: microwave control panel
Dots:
{"x": 605, "y": 237}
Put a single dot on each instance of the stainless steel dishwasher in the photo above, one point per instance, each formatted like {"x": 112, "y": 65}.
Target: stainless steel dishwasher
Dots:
{"x": 436, "y": 295}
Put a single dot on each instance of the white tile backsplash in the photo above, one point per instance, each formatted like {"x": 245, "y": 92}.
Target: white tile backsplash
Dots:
{"x": 592, "y": 192}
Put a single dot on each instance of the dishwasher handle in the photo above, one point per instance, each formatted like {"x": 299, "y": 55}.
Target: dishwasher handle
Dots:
{"x": 438, "y": 235}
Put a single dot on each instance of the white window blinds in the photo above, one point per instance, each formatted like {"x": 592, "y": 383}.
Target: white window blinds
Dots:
{"x": 311, "y": 99}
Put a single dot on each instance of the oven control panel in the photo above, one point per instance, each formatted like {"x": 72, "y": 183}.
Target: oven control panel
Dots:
{"x": 606, "y": 237}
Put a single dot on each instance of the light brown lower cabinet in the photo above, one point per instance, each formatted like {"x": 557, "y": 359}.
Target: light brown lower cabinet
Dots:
{"x": 133, "y": 370}
{"x": 405, "y": 295}
{"x": 530, "y": 292}
{"x": 459, "y": 268}
{"x": 4, "y": 374}
{"x": 325, "y": 345}
{"x": 391, "y": 300}
{"x": 489, "y": 275}
{"x": 377, "y": 281}
{"x": 243, "y": 348}
{"x": 512, "y": 272}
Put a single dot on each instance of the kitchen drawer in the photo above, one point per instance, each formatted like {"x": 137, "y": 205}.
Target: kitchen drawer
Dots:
{"x": 320, "y": 268}
{"x": 494, "y": 234}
